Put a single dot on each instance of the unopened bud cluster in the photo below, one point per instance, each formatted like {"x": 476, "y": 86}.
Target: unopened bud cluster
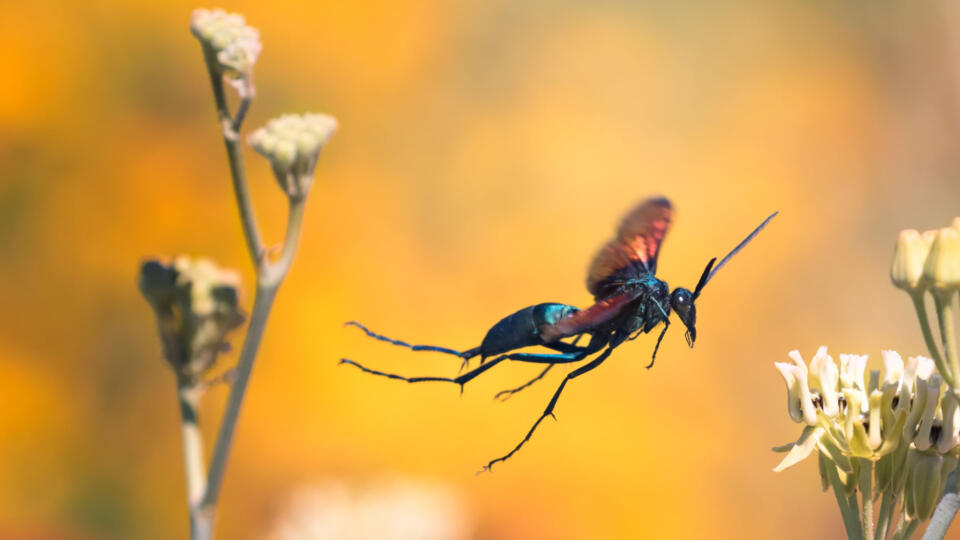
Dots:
{"x": 904, "y": 420}
{"x": 292, "y": 144}
{"x": 233, "y": 43}
{"x": 928, "y": 260}
{"x": 197, "y": 305}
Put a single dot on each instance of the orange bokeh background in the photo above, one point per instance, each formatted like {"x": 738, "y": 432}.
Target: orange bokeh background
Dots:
{"x": 486, "y": 149}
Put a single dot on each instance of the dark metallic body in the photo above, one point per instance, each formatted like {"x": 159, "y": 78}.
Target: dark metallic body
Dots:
{"x": 522, "y": 329}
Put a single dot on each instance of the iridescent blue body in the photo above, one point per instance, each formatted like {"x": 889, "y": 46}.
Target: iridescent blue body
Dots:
{"x": 522, "y": 329}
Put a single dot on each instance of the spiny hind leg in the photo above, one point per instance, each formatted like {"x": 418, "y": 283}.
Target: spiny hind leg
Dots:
{"x": 504, "y": 395}
{"x": 465, "y": 355}
{"x": 470, "y": 375}
{"x": 459, "y": 380}
{"x": 573, "y": 353}
{"x": 550, "y": 406}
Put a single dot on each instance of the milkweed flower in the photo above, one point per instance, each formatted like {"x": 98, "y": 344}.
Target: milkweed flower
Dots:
{"x": 901, "y": 419}
{"x": 229, "y": 40}
{"x": 196, "y": 304}
{"x": 891, "y": 434}
{"x": 292, "y": 144}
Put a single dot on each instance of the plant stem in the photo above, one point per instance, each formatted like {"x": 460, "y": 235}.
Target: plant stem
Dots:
{"x": 274, "y": 273}
{"x": 241, "y": 114}
{"x": 231, "y": 138}
{"x": 851, "y": 521}
{"x": 258, "y": 319}
{"x": 943, "y": 299}
{"x": 908, "y": 531}
{"x": 898, "y": 531}
{"x": 192, "y": 452}
{"x": 886, "y": 512}
{"x": 270, "y": 276}
{"x": 866, "y": 496}
{"x": 920, "y": 305}
{"x": 946, "y": 510}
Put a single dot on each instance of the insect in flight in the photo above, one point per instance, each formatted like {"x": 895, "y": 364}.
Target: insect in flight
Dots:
{"x": 630, "y": 300}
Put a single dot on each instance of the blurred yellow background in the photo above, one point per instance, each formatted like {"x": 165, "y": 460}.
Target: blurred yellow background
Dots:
{"x": 486, "y": 150}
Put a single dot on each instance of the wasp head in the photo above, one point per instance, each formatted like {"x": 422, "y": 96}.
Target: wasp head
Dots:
{"x": 681, "y": 300}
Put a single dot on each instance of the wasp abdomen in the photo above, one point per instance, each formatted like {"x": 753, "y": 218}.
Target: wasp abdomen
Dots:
{"x": 522, "y": 329}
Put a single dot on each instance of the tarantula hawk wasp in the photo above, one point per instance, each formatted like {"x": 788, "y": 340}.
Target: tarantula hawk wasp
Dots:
{"x": 630, "y": 300}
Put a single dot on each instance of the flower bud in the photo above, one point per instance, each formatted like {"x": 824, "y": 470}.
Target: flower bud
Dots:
{"x": 909, "y": 255}
{"x": 942, "y": 267}
{"x": 923, "y": 487}
{"x": 197, "y": 305}
{"x": 233, "y": 44}
{"x": 292, "y": 144}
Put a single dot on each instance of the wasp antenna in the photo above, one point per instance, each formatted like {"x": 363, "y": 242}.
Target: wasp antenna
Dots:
{"x": 735, "y": 250}
{"x": 703, "y": 278}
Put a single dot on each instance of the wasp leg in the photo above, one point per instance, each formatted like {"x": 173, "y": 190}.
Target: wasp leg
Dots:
{"x": 468, "y": 376}
{"x": 553, "y": 402}
{"x": 666, "y": 324}
{"x": 460, "y": 380}
{"x": 567, "y": 348}
{"x": 508, "y": 393}
{"x": 558, "y": 346}
{"x": 562, "y": 358}
{"x": 466, "y": 355}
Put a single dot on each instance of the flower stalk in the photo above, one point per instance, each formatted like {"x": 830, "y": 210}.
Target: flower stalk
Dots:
{"x": 270, "y": 274}
{"x": 196, "y": 303}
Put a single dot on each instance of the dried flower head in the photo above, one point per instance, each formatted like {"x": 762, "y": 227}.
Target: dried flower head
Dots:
{"x": 292, "y": 143}
{"x": 197, "y": 305}
{"x": 234, "y": 45}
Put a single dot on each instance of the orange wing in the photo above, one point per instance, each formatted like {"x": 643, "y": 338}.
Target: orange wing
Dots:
{"x": 591, "y": 317}
{"x": 636, "y": 246}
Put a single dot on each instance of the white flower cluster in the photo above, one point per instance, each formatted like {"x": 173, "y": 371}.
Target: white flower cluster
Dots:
{"x": 235, "y": 45}
{"x": 292, "y": 143}
{"x": 907, "y": 414}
